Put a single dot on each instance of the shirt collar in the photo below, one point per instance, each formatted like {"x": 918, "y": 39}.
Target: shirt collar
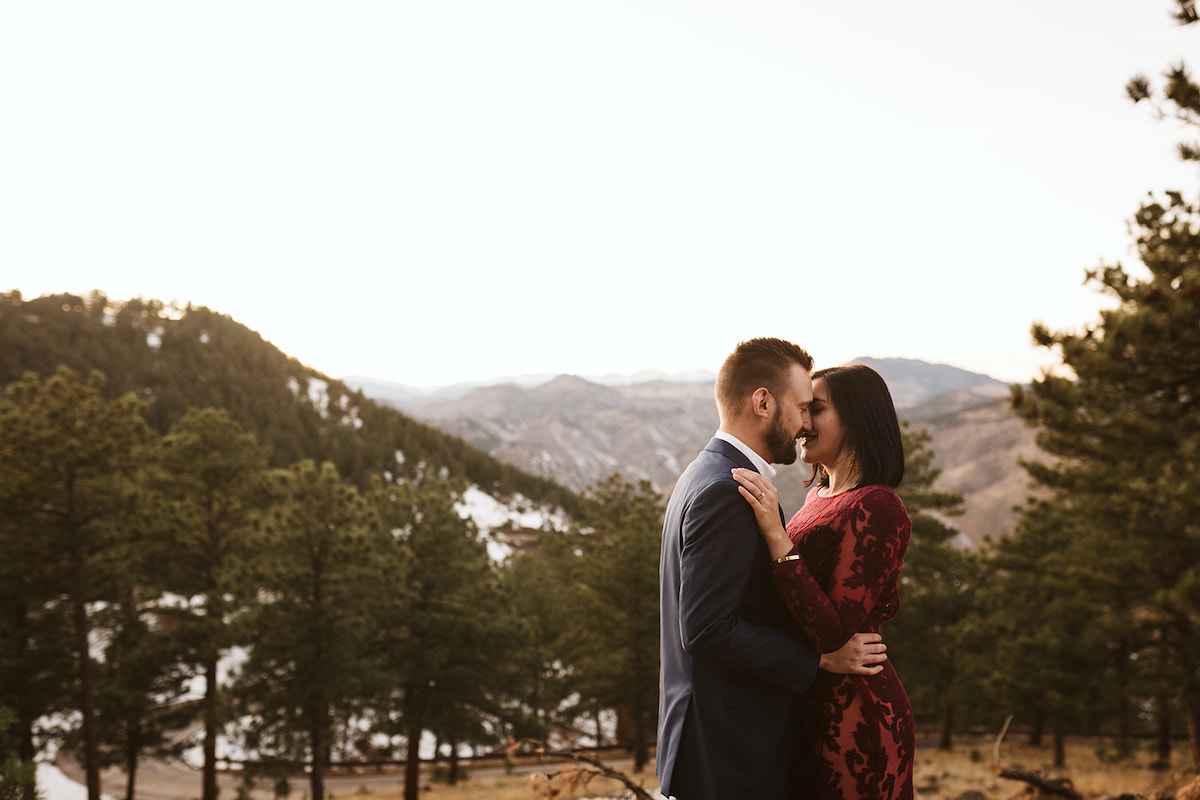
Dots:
{"x": 765, "y": 469}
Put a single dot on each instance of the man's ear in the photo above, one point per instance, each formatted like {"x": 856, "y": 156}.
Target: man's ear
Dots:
{"x": 761, "y": 401}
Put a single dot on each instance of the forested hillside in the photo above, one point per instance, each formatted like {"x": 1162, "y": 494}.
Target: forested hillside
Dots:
{"x": 199, "y": 534}
{"x": 176, "y": 359}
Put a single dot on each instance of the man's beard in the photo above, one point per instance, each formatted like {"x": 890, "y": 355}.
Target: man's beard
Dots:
{"x": 780, "y": 442}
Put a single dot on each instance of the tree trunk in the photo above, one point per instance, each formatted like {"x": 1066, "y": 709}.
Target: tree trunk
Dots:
{"x": 132, "y": 738}
{"x": 944, "y": 741}
{"x": 22, "y": 728}
{"x": 1124, "y": 715}
{"x": 209, "y": 770}
{"x": 1060, "y": 750}
{"x": 26, "y": 749}
{"x": 412, "y": 765}
{"x": 641, "y": 739}
{"x": 625, "y": 724}
{"x": 453, "y": 762}
{"x": 87, "y": 691}
{"x": 1164, "y": 728}
{"x": 1038, "y": 729}
{"x": 1193, "y": 723}
{"x": 316, "y": 776}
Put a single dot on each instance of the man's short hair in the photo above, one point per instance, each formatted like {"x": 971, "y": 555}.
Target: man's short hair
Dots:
{"x": 754, "y": 364}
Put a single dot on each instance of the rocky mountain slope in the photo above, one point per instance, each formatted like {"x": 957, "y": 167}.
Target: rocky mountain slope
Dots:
{"x": 978, "y": 448}
{"x": 577, "y": 431}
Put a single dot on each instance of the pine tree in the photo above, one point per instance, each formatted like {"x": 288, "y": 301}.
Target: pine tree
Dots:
{"x": 613, "y": 646}
{"x": 37, "y": 673}
{"x": 68, "y": 470}
{"x": 139, "y": 685}
{"x": 1040, "y": 613}
{"x": 312, "y": 628}
{"x": 540, "y": 586}
{"x": 210, "y": 481}
{"x": 453, "y": 628}
{"x": 937, "y": 582}
{"x": 1136, "y": 393}
{"x": 18, "y": 778}
{"x": 1122, "y": 418}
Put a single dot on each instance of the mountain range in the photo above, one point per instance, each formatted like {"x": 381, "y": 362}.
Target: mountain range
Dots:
{"x": 541, "y": 438}
{"x": 576, "y": 430}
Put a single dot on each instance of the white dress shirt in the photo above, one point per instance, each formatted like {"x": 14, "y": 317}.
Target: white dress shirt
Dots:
{"x": 758, "y": 461}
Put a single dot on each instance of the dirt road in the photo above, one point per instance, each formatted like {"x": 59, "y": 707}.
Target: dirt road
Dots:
{"x": 158, "y": 780}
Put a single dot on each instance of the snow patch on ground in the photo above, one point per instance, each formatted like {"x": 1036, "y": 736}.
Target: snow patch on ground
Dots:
{"x": 54, "y": 785}
{"x": 227, "y": 668}
{"x": 489, "y": 515}
{"x": 318, "y": 395}
{"x": 349, "y": 412}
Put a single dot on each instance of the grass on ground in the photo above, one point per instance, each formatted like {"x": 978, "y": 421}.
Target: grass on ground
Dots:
{"x": 1091, "y": 766}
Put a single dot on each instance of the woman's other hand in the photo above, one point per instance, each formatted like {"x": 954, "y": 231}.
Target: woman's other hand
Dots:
{"x": 762, "y": 496}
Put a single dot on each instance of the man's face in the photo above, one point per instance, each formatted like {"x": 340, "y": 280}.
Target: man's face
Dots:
{"x": 791, "y": 419}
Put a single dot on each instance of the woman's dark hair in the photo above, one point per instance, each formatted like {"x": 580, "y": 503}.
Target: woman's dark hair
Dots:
{"x": 865, "y": 408}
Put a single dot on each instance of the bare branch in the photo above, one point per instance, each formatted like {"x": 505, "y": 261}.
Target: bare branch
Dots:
{"x": 1000, "y": 740}
{"x": 577, "y": 777}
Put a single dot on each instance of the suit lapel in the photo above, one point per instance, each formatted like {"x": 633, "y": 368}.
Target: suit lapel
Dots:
{"x": 724, "y": 448}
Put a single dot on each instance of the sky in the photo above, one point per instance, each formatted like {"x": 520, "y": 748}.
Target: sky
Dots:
{"x": 445, "y": 191}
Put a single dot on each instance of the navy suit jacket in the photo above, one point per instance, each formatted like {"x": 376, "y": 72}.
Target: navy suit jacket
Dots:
{"x": 731, "y": 661}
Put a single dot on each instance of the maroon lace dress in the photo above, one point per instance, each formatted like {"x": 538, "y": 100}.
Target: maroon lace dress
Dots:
{"x": 858, "y": 740}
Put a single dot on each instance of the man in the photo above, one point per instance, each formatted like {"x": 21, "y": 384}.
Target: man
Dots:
{"x": 731, "y": 665}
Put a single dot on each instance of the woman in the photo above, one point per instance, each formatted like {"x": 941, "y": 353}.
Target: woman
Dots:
{"x": 837, "y": 567}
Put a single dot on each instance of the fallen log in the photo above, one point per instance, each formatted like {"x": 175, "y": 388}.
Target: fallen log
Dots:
{"x": 1059, "y": 787}
{"x": 1062, "y": 787}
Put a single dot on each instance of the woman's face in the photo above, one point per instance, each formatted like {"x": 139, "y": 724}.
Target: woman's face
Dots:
{"x": 826, "y": 441}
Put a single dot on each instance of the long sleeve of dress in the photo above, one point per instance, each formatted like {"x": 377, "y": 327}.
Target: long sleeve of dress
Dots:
{"x": 867, "y": 550}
